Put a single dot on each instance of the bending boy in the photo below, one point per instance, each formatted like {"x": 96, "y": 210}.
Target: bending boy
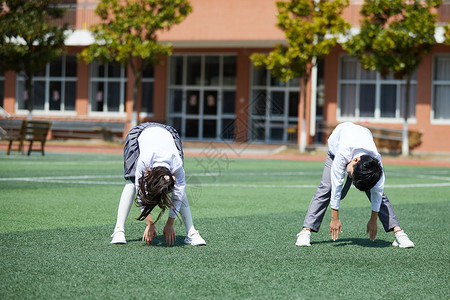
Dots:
{"x": 351, "y": 148}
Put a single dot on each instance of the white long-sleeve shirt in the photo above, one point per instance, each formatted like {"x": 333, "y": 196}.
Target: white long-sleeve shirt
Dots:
{"x": 346, "y": 142}
{"x": 157, "y": 149}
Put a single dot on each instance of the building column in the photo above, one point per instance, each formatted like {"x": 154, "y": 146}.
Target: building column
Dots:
{"x": 128, "y": 101}
{"x": 9, "y": 99}
{"x": 82, "y": 101}
{"x": 242, "y": 97}
{"x": 160, "y": 91}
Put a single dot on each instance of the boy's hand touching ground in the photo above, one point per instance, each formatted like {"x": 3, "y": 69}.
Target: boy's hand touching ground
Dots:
{"x": 372, "y": 227}
{"x": 335, "y": 225}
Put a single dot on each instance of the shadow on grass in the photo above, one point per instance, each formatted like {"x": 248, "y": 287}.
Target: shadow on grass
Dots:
{"x": 357, "y": 241}
{"x": 159, "y": 241}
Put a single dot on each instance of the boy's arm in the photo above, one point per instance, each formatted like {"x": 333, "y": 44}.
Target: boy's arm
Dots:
{"x": 337, "y": 177}
{"x": 335, "y": 225}
{"x": 372, "y": 226}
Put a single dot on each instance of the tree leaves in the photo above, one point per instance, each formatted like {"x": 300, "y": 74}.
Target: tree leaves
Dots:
{"x": 311, "y": 29}
{"x": 394, "y": 35}
{"x": 129, "y": 29}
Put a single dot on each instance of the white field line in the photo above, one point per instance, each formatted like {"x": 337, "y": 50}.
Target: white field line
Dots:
{"x": 204, "y": 174}
{"x": 422, "y": 176}
{"x": 70, "y": 180}
{"x": 64, "y": 163}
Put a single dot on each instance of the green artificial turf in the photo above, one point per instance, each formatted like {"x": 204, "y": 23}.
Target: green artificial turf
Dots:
{"x": 58, "y": 211}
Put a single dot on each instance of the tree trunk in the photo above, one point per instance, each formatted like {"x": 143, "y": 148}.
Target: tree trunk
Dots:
{"x": 405, "y": 139}
{"x": 29, "y": 100}
{"x": 137, "y": 81}
{"x": 302, "y": 114}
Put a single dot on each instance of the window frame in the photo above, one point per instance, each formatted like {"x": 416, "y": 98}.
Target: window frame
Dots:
{"x": 47, "y": 79}
{"x": 270, "y": 120}
{"x": 183, "y": 117}
{"x": 378, "y": 81}
{"x": 122, "y": 80}
{"x": 434, "y": 83}
{"x": 148, "y": 80}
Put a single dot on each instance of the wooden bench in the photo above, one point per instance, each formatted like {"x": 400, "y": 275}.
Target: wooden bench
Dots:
{"x": 391, "y": 139}
{"x": 30, "y": 131}
{"x": 87, "y": 130}
{"x": 384, "y": 138}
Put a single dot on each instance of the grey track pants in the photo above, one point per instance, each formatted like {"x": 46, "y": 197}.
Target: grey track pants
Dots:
{"x": 321, "y": 200}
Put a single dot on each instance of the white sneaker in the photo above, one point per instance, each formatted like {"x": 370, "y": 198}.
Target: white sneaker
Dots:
{"x": 193, "y": 238}
{"x": 118, "y": 237}
{"x": 304, "y": 238}
{"x": 402, "y": 240}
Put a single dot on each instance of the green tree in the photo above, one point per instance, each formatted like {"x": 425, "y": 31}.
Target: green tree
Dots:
{"x": 28, "y": 40}
{"x": 393, "y": 38}
{"x": 312, "y": 29}
{"x": 447, "y": 34}
{"x": 128, "y": 34}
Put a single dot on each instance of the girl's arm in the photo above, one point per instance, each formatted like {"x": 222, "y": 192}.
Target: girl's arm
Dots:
{"x": 169, "y": 232}
{"x": 150, "y": 230}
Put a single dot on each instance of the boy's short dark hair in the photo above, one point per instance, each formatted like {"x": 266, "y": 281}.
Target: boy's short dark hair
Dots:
{"x": 366, "y": 173}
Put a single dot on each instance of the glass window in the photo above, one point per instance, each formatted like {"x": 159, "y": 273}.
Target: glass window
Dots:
{"x": 366, "y": 94}
{"x": 209, "y": 128}
{"x": 259, "y": 103}
{"x": 114, "y": 70}
{"x": 70, "y": 93}
{"x": 177, "y": 101}
{"x": 54, "y": 87}
{"x": 229, "y": 70}
{"x": 193, "y": 102}
{"x": 388, "y": 100}
{"x": 210, "y": 103}
{"x": 228, "y": 102}
{"x": 348, "y": 100}
{"x": 98, "y": 96}
{"x": 56, "y": 68}
{"x": 349, "y": 68}
{"x": 228, "y": 129}
{"x": 212, "y": 64}
{"x": 276, "y": 131}
{"x": 39, "y": 95}
{"x": 113, "y": 96}
{"x": 147, "y": 83}
{"x": 192, "y": 128}
{"x": 176, "y": 70}
{"x": 273, "y": 107}
{"x": 108, "y": 83}
{"x": 55, "y": 95}
{"x": 202, "y": 95}
{"x": 367, "y": 100}
{"x": 194, "y": 69}
{"x": 294, "y": 98}
{"x": 259, "y": 77}
{"x": 277, "y": 103}
{"x": 441, "y": 88}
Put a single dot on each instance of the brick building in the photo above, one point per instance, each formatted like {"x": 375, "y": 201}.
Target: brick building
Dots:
{"x": 209, "y": 90}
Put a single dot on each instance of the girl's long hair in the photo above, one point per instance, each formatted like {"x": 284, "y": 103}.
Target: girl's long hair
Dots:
{"x": 154, "y": 189}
